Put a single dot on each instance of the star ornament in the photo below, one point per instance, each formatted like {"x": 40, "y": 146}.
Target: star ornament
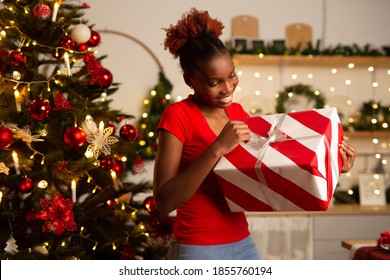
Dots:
{"x": 100, "y": 142}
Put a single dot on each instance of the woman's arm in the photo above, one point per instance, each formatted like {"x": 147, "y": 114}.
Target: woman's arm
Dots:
{"x": 171, "y": 189}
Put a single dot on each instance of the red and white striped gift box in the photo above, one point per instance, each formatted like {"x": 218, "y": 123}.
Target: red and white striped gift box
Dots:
{"x": 292, "y": 163}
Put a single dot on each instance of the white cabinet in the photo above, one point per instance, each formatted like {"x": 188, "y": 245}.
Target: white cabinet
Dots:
{"x": 316, "y": 235}
{"x": 330, "y": 230}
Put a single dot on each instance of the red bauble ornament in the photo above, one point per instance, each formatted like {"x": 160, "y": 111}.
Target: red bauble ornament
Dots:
{"x": 107, "y": 163}
{"x": 128, "y": 132}
{"x": 42, "y": 11}
{"x": 26, "y": 185}
{"x": 6, "y": 137}
{"x": 74, "y": 137}
{"x": 149, "y": 204}
{"x": 94, "y": 40}
{"x": 39, "y": 109}
{"x": 81, "y": 47}
{"x": 119, "y": 167}
{"x": 67, "y": 42}
{"x": 16, "y": 58}
{"x": 105, "y": 78}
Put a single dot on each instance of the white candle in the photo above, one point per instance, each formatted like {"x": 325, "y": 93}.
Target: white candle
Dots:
{"x": 55, "y": 11}
{"x": 67, "y": 64}
{"x": 18, "y": 107}
{"x": 73, "y": 188}
{"x": 16, "y": 162}
{"x": 1, "y": 196}
{"x": 115, "y": 180}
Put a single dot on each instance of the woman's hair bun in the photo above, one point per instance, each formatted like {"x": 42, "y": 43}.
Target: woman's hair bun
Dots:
{"x": 192, "y": 24}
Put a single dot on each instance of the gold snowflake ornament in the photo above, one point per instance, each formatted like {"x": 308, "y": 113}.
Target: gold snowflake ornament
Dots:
{"x": 100, "y": 142}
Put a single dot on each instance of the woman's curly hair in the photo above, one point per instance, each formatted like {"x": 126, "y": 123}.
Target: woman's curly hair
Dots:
{"x": 194, "y": 38}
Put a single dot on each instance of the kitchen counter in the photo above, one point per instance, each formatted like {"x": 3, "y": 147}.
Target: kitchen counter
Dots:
{"x": 334, "y": 209}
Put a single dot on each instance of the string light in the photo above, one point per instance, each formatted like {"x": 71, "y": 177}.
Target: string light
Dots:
{"x": 42, "y": 184}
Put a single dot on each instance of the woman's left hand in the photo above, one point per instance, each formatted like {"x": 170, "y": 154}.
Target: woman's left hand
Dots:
{"x": 348, "y": 153}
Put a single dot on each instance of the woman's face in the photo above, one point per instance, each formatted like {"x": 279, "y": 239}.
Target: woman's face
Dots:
{"x": 215, "y": 83}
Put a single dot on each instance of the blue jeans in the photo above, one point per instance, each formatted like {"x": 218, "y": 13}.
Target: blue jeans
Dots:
{"x": 241, "y": 250}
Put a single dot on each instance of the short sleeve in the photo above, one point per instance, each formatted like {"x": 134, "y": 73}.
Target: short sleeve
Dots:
{"x": 174, "y": 119}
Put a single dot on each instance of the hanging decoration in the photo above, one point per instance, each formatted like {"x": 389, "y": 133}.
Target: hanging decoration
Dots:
{"x": 305, "y": 91}
{"x": 100, "y": 142}
{"x": 42, "y": 11}
{"x": 39, "y": 109}
{"x": 12, "y": 247}
{"x": 6, "y": 137}
{"x": 26, "y": 185}
{"x": 57, "y": 215}
{"x": 74, "y": 137}
{"x": 16, "y": 58}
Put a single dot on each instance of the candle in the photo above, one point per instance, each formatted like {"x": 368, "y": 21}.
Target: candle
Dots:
{"x": 1, "y": 196}
{"x": 73, "y": 188}
{"x": 55, "y": 11}
{"x": 18, "y": 107}
{"x": 67, "y": 64}
{"x": 115, "y": 180}
{"x": 16, "y": 162}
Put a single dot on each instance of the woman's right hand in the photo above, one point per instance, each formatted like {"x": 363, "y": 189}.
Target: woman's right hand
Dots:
{"x": 233, "y": 133}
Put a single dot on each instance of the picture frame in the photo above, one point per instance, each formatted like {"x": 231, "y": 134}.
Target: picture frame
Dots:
{"x": 257, "y": 45}
{"x": 372, "y": 189}
{"x": 240, "y": 44}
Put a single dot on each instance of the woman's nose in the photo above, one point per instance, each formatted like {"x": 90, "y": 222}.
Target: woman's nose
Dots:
{"x": 228, "y": 87}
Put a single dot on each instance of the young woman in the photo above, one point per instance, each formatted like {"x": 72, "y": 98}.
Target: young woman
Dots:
{"x": 192, "y": 135}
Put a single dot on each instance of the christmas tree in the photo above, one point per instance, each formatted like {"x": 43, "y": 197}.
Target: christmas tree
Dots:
{"x": 66, "y": 157}
{"x": 160, "y": 98}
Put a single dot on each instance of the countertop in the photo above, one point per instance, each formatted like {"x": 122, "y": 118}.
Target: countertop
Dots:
{"x": 334, "y": 209}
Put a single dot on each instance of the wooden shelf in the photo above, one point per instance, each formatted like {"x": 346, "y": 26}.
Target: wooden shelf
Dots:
{"x": 318, "y": 61}
{"x": 368, "y": 134}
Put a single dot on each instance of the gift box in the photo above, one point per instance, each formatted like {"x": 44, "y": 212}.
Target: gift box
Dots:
{"x": 291, "y": 163}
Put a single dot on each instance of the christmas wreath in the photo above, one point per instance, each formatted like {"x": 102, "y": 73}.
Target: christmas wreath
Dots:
{"x": 302, "y": 90}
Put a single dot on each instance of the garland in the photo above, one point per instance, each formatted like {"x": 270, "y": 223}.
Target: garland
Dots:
{"x": 299, "y": 89}
{"x": 344, "y": 50}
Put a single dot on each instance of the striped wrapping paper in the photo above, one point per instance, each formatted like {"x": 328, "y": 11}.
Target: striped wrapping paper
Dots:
{"x": 292, "y": 163}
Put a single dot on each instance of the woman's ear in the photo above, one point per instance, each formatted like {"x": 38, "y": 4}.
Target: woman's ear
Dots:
{"x": 187, "y": 80}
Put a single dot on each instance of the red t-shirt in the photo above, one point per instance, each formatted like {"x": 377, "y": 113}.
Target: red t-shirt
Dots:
{"x": 205, "y": 219}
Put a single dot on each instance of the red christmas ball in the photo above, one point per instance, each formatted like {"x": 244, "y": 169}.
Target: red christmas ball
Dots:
{"x": 105, "y": 78}
{"x": 74, "y": 137}
{"x": 119, "y": 167}
{"x": 81, "y": 47}
{"x": 107, "y": 163}
{"x": 94, "y": 40}
{"x": 67, "y": 42}
{"x": 16, "y": 58}
{"x": 149, "y": 204}
{"x": 42, "y": 11}
{"x": 26, "y": 185}
{"x": 128, "y": 132}
{"x": 39, "y": 109}
{"x": 6, "y": 137}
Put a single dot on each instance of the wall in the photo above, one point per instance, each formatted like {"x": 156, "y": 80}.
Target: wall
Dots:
{"x": 346, "y": 22}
